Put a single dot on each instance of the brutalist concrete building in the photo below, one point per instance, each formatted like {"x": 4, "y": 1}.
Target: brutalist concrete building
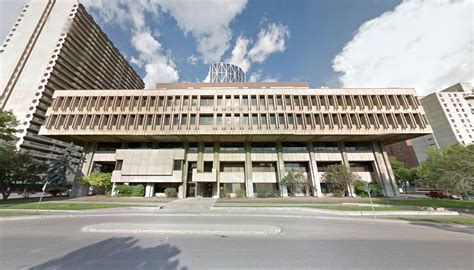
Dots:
{"x": 212, "y": 139}
{"x": 55, "y": 45}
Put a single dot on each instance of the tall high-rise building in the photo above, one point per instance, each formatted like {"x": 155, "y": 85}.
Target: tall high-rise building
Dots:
{"x": 55, "y": 44}
{"x": 451, "y": 117}
{"x": 226, "y": 73}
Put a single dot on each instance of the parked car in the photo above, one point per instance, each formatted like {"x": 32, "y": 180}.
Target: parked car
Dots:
{"x": 441, "y": 195}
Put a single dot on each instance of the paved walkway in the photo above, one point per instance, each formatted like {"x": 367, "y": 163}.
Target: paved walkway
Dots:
{"x": 190, "y": 205}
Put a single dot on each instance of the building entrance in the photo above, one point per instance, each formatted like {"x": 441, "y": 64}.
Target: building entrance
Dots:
{"x": 206, "y": 189}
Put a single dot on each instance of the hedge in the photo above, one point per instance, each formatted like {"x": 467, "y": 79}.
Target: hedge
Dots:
{"x": 131, "y": 191}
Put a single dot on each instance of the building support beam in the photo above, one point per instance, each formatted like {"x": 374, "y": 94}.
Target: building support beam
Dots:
{"x": 384, "y": 170}
{"x": 345, "y": 162}
{"x": 313, "y": 169}
{"x": 248, "y": 171}
{"x": 281, "y": 169}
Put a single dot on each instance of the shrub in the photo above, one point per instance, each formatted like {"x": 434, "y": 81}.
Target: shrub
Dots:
{"x": 100, "y": 180}
{"x": 268, "y": 194}
{"x": 131, "y": 191}
{"x": 338, "y": 178}
{"x": 375, "y": 189}
{"x": 171, "y": 192}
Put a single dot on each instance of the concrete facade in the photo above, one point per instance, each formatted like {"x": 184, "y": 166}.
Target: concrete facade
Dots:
{"x": 451, "y": 117}
{"x": 235, "y": 139}
{"x": 55, "y": 45}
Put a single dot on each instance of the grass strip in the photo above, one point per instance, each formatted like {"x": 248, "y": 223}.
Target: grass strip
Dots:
{"x": 65, "y": 206}
{"x": 15, "y": 214}
{"x": 456, "y": 204}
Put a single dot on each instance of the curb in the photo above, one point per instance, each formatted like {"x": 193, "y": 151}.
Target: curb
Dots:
{"x": 343, "y": 213}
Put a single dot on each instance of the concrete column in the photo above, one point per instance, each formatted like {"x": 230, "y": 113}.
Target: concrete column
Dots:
{"x": 248, "y": 171}
{"x": 281, "y": 169}
{"x": 313, "y": 169}
{"x": 113, "y": 193}
{"x": 200, "y": 161}
{"x": 384, "y": 171}
{"x": 78, "y": 189}
{"x": 184, "y": 171}
{"x": 149, "y": 190}
{"x": 345, "y": 162}
{"x": 216, "y": 166}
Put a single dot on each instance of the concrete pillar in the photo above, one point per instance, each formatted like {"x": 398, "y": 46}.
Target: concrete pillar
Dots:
{"x": 114, "y": 192}
{"x": 78, "y": 189}
{"x": 149, "y": 190}
{"x": 248, "y": 171}
{"x": 200, "y": 161}
{"x": 216, "y": 166}
{"x": 345, "y": 162}
{"x": 384, "y": 171}
{"x": 184, "y": 171}
{"x": 313, "y": 170}
{"x": 281, "y": 169}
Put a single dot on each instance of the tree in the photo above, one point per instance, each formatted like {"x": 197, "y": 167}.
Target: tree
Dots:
{"x": 18, "y": 169}
{"x": 296, "y": 182}
{"x": 339, "y": 178}
{"x": 8, "y": 124}
{"x": 100, "y": 180}
{"x": 58, "y": 171}
{"x": 403, "y": 174}
{"x": 450, "y": 169}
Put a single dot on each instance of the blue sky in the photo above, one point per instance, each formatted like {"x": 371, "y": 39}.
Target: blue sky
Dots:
{"x": 331, "y": 43}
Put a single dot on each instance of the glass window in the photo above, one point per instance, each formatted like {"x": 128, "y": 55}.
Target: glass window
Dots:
{"x": 294, "y": 147}
{"x": 108, "y": 146}
{"x": 296, "y": 166}
{"x": 263, "y": 119}
{"x": 254, "y": 119}
{"x": 272, "y": 119}
{"x": 357, "y": 146}
{"x": 207, "y": 166}
{"x": 263, "y": 167}
{"x": 326, "y": 147}
{"x": 193, "y": 119}
{"x": 118, "y": 165}
{"x": 193, "y": 147}
{"x": 229, "y": 147}
{"x": 208, "y": 147}
{"x": 207, "y": 101}
{"x": 263, "y": 147}
{"x": 206, "y": 119}
{"x": 232, "y": 167}
{"x": 177, "y": 165}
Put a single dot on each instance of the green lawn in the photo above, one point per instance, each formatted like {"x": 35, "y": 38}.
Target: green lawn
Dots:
{"x": 461, "y": 220}
{"x": 431, "y": 203}
{"x": 14, "y": 214}
{"x": 64, "y": 206}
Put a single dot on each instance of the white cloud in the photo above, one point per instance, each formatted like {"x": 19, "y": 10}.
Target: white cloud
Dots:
{"x": 271, "y": 39}
{"x": 9, "y": 11}
{"x": 192, "y": 60}
{"x": 130, "y": 16}
{"x": 239, "y": 53}
{"x": 423, "y": 44}
{"x": 258, "y": 77}
{"x": 208, "y": 21}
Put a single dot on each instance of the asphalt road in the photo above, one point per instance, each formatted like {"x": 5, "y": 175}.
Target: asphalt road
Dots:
{"x": 304, "y": 243}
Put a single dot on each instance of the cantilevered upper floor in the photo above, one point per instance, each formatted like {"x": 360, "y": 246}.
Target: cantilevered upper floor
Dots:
{"x": 236, "y": 112}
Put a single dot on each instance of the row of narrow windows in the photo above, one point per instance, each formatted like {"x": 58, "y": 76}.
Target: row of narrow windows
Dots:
{"x": 236, "y": 120}
{"x": 235, "y": 101}
{"x": 237, "y": 147}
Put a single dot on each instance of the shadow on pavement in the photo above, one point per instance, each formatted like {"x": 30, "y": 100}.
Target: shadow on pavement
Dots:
{"x": 117, "y": 253}
{"x": 446, "y": 227}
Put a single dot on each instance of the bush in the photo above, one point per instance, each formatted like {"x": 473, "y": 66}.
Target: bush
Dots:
{"x": 171, "y": 192}
{"x": 375, "y": 189}
{"x": 99, "y": 180}
{"x": 338, "y": 178}
{"x": 131, "y": 191}
{"x": 268, "y": 194}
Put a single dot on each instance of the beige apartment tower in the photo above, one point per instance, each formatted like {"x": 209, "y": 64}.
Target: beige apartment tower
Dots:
{"x": 55, "y": 44}
{"x": 232, "y": 139}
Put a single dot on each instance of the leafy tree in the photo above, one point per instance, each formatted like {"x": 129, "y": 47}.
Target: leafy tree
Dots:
{"x": 375, "y": 189}
{"x": 339, "y": 178}
{"x": 296, "y": 182}
{"x": 18, "y": 168}
{"x": 100, "y": 180}
{"x": 58, "y": 171}
{"x": 450, "y": 169}
{"x": 8, "y": 125}
{"x": 403, "y": 174}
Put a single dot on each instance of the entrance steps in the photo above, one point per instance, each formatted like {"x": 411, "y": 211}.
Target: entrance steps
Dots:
{"x": 190, "y": 204}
